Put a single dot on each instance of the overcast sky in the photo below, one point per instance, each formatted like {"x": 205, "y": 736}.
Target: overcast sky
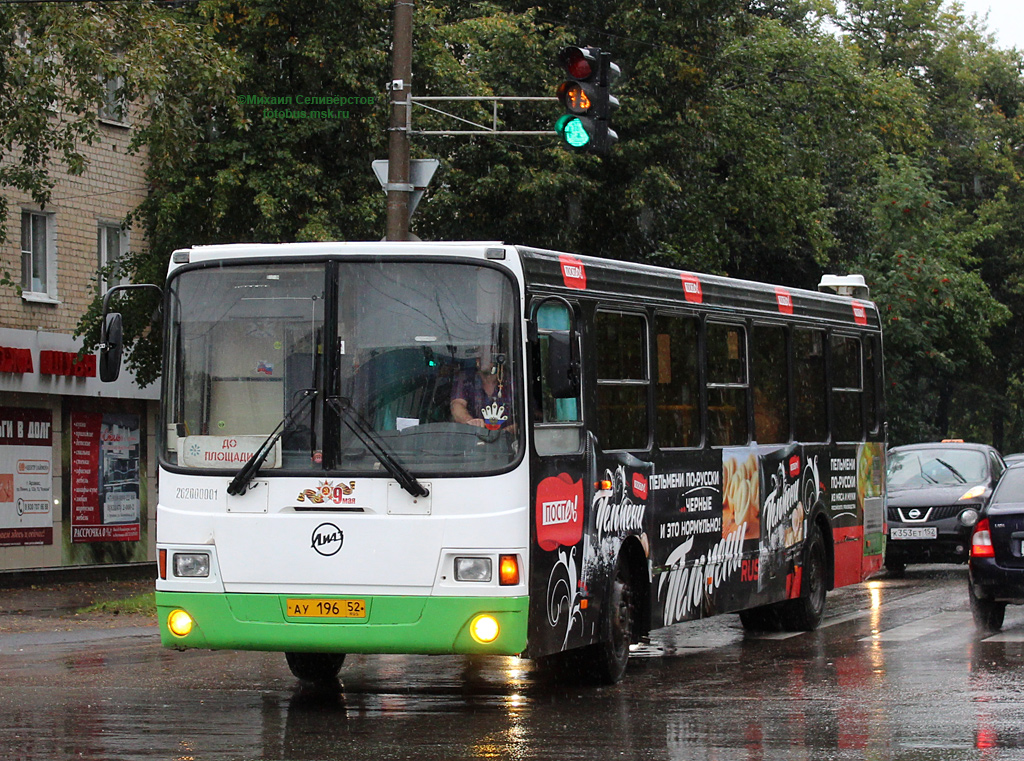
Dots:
{"x": 1005, "y": 19}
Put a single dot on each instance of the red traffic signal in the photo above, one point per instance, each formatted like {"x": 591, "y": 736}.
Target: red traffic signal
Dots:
{"x": 580, "y": 63}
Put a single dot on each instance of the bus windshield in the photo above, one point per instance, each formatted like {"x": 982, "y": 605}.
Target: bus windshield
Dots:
{"x": 353, "y": 361}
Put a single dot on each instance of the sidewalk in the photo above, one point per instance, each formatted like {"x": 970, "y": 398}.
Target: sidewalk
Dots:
{"x": 53, "y": 605}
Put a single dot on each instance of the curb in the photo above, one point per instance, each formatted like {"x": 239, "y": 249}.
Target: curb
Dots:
{"x": 72, "y": 574}
{"x": 15, "y": 643}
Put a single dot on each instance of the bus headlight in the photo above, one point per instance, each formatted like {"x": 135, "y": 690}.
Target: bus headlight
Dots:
{"x": 179, "y": 622}
{"x": 484, "y": 629}
{"x": 194, "y": 564}
{"x": 473, "y": 569}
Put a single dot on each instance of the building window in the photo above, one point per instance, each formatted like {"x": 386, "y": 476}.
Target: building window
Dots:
{"x": 38, "y": 256}
{"x": 112, "y": 107}
{"x": 111, "y": 246}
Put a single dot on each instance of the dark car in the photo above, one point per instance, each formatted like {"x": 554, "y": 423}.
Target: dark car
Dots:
{"x": 996, "y": 565}
{"x": 935, "y": 494}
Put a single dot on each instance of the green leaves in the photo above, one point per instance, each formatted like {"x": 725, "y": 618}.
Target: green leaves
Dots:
{"x": 752, "y": 141}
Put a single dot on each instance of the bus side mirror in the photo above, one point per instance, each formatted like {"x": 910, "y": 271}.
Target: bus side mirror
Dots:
{"x": 562, "y": 369}
{"x": 111, "y": 347}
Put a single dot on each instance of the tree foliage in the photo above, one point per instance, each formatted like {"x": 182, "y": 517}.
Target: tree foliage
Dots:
{"x": 755, "y": 141}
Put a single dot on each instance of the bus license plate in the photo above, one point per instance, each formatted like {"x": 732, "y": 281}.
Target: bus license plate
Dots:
{"x": 315, "y": 608}
{"x": 923, "y": 532}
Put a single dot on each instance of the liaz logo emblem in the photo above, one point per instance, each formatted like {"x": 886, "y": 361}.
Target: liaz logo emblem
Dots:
{"x": 327, "y": 539}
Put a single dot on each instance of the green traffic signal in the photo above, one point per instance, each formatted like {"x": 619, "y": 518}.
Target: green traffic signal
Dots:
{"x": 572, "y": 130}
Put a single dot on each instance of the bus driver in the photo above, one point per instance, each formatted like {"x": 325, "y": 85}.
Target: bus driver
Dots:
{"x": 483, "y": 398}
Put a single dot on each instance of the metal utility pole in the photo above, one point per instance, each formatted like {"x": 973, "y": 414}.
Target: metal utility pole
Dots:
{"x": 399, "y": 187}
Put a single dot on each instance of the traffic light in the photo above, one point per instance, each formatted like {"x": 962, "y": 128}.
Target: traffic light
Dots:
{"x": 586, "y": 95}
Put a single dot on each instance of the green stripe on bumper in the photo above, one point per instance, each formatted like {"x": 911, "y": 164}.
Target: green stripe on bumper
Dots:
{"x": 392, "y": 624}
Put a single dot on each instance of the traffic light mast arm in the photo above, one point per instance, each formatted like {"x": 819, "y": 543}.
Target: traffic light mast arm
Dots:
{"x": 483, "y": 129}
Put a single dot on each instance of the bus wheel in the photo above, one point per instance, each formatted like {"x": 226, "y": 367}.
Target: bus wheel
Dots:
{"x": 605, "y": 662}
{"x": 764, "y": 618}
{"x": 315, "y": 667}
{"x": 805, "y": 613}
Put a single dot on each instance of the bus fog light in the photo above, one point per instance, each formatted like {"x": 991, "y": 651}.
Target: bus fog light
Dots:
{"x": 484, "y": 629}
{"x": 473, "y": 569}
{"x": 180, "y": 623}
{"x": 194, "y": 564}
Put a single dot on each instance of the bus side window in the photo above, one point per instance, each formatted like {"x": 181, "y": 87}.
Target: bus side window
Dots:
{"x": 810, "y": 421}
{"x": 847, "y": 384}
{"x": 727, "y": 384}
{"x": 620, "y": 342}
{"x": 677, "y": 391}
{"x": 770, "y": 371}
{"x": 872, "y": 365}
{"x": 559, "y": 429}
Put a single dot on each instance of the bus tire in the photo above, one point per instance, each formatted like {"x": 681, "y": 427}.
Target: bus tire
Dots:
{"x": 315, "y": 667}
{"x": 763, "y": 618}
{"x": 605, "y": 661}
{"x": 805, "y": 613}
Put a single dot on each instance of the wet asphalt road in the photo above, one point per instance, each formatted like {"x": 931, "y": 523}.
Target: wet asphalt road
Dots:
{"x": 896, "y": 672}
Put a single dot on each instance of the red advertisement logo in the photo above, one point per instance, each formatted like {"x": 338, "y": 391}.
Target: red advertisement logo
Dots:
{"x": 640, "y": 486}
{"x": 574, "y": 274}
{"x": 784, "y": 299}
{"x": 860, "y": 314}
{"x": 794, "y": 466}
{"x": 559, "y": 512}
{"x": 691, "y": 289}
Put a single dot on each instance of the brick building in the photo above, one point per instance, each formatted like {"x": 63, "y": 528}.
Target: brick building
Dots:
{"x": 77, "y": 464}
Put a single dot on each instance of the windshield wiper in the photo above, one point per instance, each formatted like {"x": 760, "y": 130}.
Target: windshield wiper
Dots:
{"x": 952, "y": 470}
{"x": 240, "y": 482}
{"x": 372, "y": 442}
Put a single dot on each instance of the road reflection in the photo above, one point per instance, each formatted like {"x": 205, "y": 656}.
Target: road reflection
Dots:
{"x": 896, "y": 672}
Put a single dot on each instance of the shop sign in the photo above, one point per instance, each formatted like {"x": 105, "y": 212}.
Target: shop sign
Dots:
{"x": 105, "y": 487}
{"x": 13, "y": 360}
{"x": 26, "y": 476}
{"x": 67, "y": 363}
{"x": 64, "y": 363}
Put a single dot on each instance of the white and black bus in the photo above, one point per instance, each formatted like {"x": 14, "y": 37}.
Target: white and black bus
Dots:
{"x": 487, "y": 448}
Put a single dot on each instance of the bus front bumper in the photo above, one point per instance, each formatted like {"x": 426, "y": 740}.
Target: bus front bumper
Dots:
{"x": 391, "y": 624}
